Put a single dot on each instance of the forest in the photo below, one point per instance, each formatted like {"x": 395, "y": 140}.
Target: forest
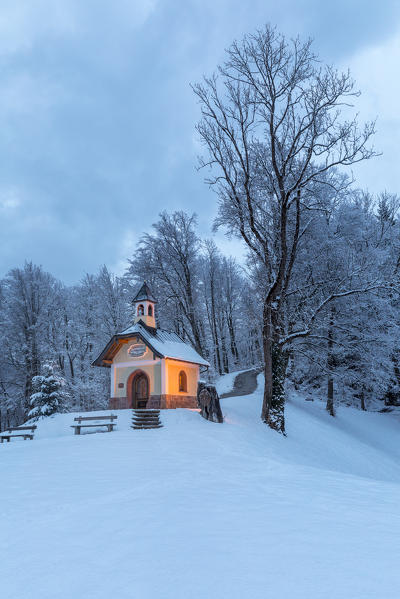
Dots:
{"x": 314, "y": 299}
{"x": 215, "y": 303}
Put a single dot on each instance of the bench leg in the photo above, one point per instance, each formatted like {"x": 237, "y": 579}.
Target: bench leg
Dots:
{"x": 77, "y": 430}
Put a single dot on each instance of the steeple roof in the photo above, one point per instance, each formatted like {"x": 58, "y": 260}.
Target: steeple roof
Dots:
{"x": 143, "y": 294}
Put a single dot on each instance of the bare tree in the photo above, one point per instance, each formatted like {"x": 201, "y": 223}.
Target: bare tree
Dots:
{"x": 273, "y": 125}
{"x": 170, "y": 256}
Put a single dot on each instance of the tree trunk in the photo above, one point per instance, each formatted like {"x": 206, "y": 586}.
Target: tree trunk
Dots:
{"x": 71, "y": 366}
{"x": 330, "y": 403}
{"x": 225, "y": 360}
{"x": 234, "y": 350}
{"x": 192, "y": 313}
{"x": 362, "y": 399}
{"x": 275, "y": 363}
{"x": 214, "y": 325}
{"x": 224, "y": 352}
{"x": 330, "y": 406}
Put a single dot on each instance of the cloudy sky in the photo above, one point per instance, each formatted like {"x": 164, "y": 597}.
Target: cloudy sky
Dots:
{"x": 97, "y": 116}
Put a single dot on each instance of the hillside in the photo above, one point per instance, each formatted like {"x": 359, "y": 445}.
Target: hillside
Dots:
{"x": 203, "y": 510}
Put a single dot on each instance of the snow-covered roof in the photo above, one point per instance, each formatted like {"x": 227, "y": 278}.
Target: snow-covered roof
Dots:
{"x": 144, "y": 293}
{"x": 165, "y": 344}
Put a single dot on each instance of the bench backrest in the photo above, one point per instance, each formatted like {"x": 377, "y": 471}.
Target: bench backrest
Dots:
{"x": 83, "y": 418}
{"x": 3, "y": 436}
{"x": 23, "y": 428}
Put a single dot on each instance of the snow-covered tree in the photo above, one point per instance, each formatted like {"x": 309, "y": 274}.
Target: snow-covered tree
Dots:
{"x": 201, "y": 294}
{"x": 348, "y": 342}
{"x": 48, "y": 395}
{"x": 273, "y": 131}
{"x": 168, "y": 259}
{"x": 339, "y": 323}
{"x": 28, "y": 296}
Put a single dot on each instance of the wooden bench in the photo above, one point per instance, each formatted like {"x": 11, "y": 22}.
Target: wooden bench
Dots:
{"x": 80, "y": 419}
{"x": 26, "y": 436}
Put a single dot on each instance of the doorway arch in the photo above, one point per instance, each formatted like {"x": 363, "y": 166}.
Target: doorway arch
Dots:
{"x": 138, "y": 388}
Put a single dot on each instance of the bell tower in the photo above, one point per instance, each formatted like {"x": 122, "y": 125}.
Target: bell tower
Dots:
{"x": 144, "y": 304}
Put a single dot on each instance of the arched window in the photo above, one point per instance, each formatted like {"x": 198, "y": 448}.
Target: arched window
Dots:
{"x": 140, "y": 310}
{"x": 182, "y": 381}
{"x": 150, "y": 310}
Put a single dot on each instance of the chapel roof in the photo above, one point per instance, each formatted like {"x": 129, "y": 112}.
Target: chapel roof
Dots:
{"x": 144, "y": 293}
{"x": 163, "y": 343}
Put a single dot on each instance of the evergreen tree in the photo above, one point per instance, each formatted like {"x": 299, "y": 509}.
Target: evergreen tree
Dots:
{"x": 48, "y": 395}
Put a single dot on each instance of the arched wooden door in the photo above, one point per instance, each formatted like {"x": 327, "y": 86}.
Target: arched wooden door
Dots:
{"x": 140, "y": 391}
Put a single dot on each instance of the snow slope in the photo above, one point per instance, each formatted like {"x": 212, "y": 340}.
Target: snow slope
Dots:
{"x": 204, "y": 510}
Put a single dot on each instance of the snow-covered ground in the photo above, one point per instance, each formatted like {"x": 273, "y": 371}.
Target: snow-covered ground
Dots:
{"x": 205, "y": 510}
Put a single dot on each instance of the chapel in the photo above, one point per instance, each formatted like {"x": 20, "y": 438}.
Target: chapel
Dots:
{"x": 150, "y": 367}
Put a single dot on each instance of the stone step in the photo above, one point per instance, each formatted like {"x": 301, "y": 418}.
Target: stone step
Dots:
{"x": 147, "y": 416}
{"x": 148, "y": 426}
{"x": 143, "y": 419}
{"x": 145, "y": 423}
{"x": 150, "y": 416}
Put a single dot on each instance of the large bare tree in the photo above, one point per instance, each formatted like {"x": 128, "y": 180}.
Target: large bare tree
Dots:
{"x": 275, "y": 124}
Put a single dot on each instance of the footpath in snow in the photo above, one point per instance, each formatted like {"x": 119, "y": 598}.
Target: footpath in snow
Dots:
{"x": 204, "y": 510}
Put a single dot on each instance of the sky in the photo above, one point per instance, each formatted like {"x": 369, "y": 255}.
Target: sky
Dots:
{"x": 97, "y": 116}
